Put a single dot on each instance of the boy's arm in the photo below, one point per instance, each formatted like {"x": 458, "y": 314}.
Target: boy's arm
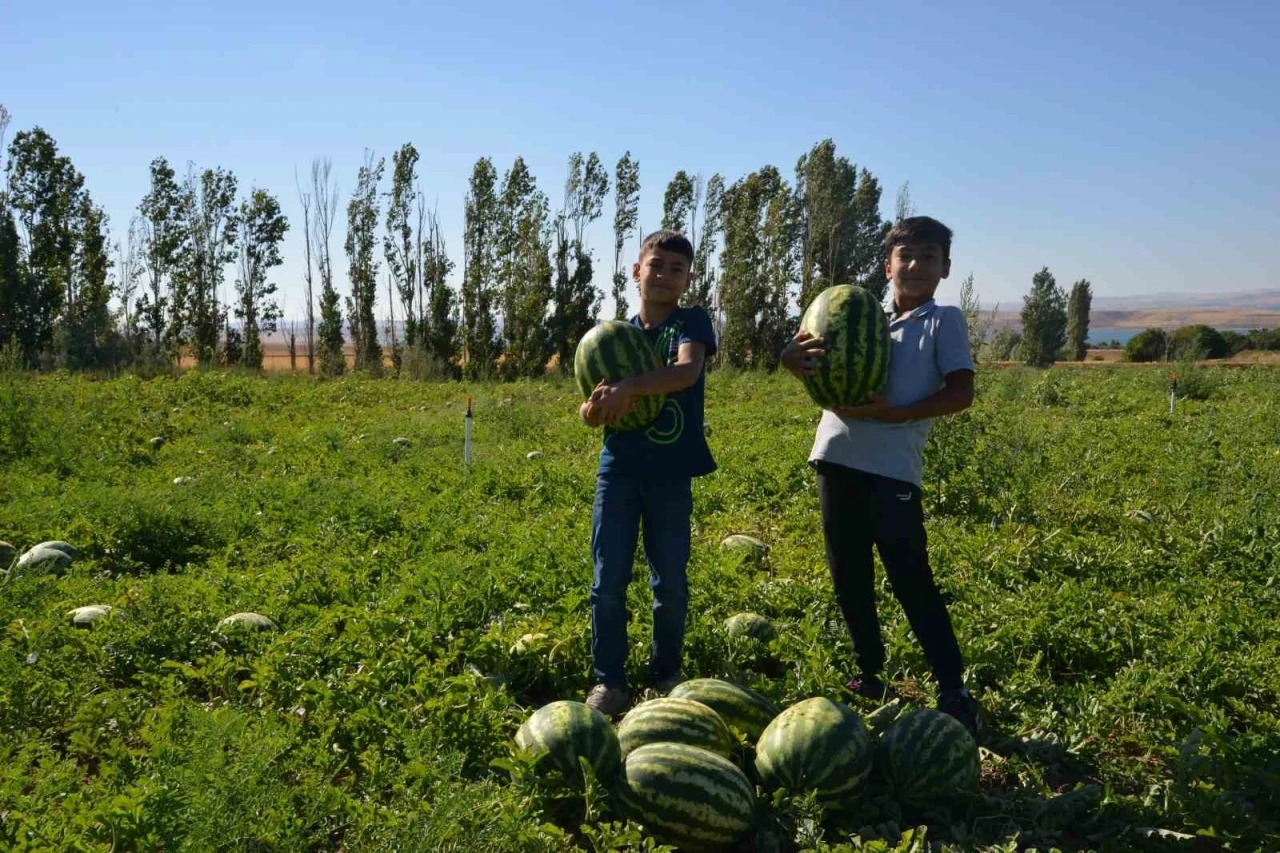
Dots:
{"x": 616, "y": 399}
{"x": 955, "y": 395}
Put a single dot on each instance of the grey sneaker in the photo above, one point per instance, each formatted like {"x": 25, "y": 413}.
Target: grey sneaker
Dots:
{"x": 610, "y": 701}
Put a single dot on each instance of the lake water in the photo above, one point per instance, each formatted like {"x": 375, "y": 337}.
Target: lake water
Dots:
{"x": 1123, "y": 335}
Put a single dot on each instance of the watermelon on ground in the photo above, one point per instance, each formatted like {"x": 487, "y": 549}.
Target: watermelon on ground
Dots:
{"x": 83, "y": 617}
{"x": 687, "y": 796}
{"x": 565, "y": 731}
{"x": 616, "y": 350}
{"x": 58, "y": 545}
{"x": 45, "y": 558}
{"x": 669, "y": 720}
{"x": 856, "y": 334}
{"x": 7, "y": 553}
{"x": 740, "y": 707}
{"x": 927, "y": 754}
{"x": 751, "y": 625}
{"x": 815, "y": 745}
{"x": 251, "y": 621}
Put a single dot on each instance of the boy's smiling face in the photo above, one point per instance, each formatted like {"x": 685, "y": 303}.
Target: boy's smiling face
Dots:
{"x": 915, "y": 270}
{"x": 663, "y": 276}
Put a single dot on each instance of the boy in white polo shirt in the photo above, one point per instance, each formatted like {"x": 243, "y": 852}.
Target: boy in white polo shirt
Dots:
{"x": 869, "y": 460}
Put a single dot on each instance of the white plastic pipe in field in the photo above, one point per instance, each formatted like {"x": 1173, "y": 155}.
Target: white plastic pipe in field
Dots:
{"x": 466, "y": 444}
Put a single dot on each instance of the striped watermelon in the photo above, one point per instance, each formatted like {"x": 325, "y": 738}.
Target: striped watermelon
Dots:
{"x": 687, "y": 796}
{"x": 616, "y": 350}
{"x": 927, "y": 754}
{"x": 739, "y": 706}
{"x": 751, "y": 625}
{"x": 857, "y": 344}
{"x": 563, "y": 731}
{"x": 815, "y": 745}
{"x": 671, "y": 720}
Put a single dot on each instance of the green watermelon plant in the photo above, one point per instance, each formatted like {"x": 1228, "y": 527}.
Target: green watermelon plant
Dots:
{"x": 1128, "y": 669}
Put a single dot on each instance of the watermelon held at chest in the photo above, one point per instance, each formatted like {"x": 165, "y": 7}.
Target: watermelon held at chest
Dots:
{"x": 615, "y": 350}
{"x": 856, "y": 334}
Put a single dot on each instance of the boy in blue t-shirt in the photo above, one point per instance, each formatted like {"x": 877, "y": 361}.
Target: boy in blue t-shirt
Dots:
{"x": 869, "y": 460}
{"x": 646, "y": 476}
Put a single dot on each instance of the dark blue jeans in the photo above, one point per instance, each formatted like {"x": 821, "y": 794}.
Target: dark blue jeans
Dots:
{"x": 624, "y": 505}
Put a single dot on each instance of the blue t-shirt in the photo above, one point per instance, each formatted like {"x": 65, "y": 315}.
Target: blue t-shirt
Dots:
{"x": 674, "y": 445}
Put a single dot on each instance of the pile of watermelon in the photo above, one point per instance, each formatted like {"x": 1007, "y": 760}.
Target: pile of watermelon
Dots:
{"x": 690, "y": 767}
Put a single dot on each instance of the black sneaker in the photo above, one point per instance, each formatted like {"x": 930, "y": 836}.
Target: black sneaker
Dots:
{"x": 869, "y": 687}
{"x": 960, "y": 704}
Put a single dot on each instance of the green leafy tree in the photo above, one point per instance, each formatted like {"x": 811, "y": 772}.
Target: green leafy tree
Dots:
{"x": 401, "y": 245}
{"x": 43, "y": 192}
{"x": 866, "y": 257}
{"x": 1005, "y": 344}
{"x": 89, "y": 328}
{"x": 209, "y": 218}
{"x": 678, "y": 203}
{"x": 1079, "y": 303}
{"x": 1198, "y": 342}
{"x": 826, "y": 186}
{"x": 441, "y": 328}
{"x": 524, "y": 272}
{"x": 362, "y": 264}
{"x": 329, "y": 339}
{"x": 780, "y": 260}
{"x": 626, "y": 193}
{"x": 162, "y": 235}
{"x": 975, "y": 323}
{"x": 1044, "y": 320}
{"x": 12, "y": 275}
{"x": 759, "y": 261}
{"x": 1151, "y": 344}
{"x": 262, "y": 230}
{"x": 480, "y": 343}
{"x": 576, "y": 300}
{"x": 307, "y": 200}
{"x": 702, "y": 282}
{"x": 905, "y": 208}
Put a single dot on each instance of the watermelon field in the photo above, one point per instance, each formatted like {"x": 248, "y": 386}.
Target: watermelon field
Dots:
{"x": 1111, "y": 570}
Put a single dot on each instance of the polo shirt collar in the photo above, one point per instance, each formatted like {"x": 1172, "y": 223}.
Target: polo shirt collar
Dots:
{"x": 914, "y": 314}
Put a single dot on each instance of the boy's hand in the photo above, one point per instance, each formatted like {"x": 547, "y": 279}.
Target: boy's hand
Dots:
{"x": 801, "y": 354}
{"x": 590, "y": 414}
{"x": 612, "y": 402}
{"x": 878, "y": 409}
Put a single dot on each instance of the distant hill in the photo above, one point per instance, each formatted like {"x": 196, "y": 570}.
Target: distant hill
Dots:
{"x": 1254, "y": 309}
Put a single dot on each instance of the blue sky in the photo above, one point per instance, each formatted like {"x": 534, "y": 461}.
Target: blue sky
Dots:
{"x": 1135, "y": 144}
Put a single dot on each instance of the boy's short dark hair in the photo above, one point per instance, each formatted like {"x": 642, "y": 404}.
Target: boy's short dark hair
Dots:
{"x": 917, "y": 230}
{"x": 670, "y": 241}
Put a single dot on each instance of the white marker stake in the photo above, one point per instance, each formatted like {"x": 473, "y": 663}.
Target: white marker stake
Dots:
{"x": 1173, "y": 392}
{"x": 466, "y": 447}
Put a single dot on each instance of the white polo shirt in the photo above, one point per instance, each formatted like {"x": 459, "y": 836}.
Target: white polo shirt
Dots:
{"x": 927, "y": 343}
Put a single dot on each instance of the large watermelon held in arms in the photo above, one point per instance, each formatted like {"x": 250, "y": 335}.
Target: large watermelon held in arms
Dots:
{"x": 564, "y": 731}
{"x": 739, "y": 706}
{"x": 856, "y": 332}
{"x": 927, "y": 754}
{"x": 671, "y": 720}
{"x": 616, "y": 350}
{"x": 815, "y": 745}
{"x": 687, "y": 796}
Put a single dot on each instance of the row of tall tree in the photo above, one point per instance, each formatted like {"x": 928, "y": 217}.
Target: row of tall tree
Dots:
{"x": 1055, "y": 323}
{"x": 765, "y": 245}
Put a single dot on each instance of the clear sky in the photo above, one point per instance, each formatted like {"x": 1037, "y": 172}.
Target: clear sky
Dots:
{"x": 1136, "y": 144}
